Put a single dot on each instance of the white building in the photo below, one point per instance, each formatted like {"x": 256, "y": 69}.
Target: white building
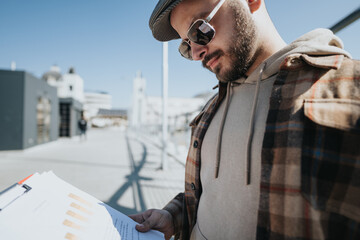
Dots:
{"x": 137, "y": 114}
{"x": 95, "y": 101}
{"x": 73, "y": 86}
{"x": 69, "y": 85}
{"x": 53, "y": 77}
{"x": 147, "y": 110}
{"x": 180, "y": 110}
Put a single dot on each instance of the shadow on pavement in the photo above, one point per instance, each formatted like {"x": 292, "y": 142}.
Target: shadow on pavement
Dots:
{"x": 133, "y": 181}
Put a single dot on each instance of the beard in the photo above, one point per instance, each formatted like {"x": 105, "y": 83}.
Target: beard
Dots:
{"x": 241, "y": 45}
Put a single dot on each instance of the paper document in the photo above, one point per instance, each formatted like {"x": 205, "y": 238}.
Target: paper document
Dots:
{"x": 45, "y": 207}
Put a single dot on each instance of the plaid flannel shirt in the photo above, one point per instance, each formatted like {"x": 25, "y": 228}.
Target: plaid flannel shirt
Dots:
{"x": 310, "y": 170}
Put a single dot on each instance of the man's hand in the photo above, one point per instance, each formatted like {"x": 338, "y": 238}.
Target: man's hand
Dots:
{"x": 157, "y": 219}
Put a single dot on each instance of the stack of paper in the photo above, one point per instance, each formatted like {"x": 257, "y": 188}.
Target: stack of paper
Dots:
{"x": 45, "y": 207}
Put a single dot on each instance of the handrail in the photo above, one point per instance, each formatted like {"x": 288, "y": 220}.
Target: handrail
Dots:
{"x": 352, "y": 17}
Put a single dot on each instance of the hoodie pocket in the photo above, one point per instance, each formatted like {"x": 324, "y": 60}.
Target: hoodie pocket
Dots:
{"x": 330, "y": 164}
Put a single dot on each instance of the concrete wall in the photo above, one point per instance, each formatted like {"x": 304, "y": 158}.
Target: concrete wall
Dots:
{"x": 19, "y": 93}
{"x": 75, "y": 117}
{"x": 77, "y": 109}
{"x": 11, "y": 110}
{"x": 34, "y": 89}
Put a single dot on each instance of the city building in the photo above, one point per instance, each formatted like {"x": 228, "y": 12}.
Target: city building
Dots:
{"x": 110, "y": 117}
{"x": 180, "y": 110}
{"x": 29, "y": 111}
{"x": 70, "y": 114}
{"x": 146, "y": 111}
{"x": 70, "y": 90}
{"x": 93, "y": 101}
{"x": 74, "y": 102}
{"x": 137, "y": 112}
{"x": 69, "y": 85}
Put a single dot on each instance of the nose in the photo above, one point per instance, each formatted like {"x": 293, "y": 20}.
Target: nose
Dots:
{"x": 198, "y": 51}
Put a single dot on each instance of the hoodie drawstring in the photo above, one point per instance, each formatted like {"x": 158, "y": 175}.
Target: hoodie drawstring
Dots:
{"x": 229, "y": 93}
{"x": 218, "y": 148}
{"x": 252, "y": 123}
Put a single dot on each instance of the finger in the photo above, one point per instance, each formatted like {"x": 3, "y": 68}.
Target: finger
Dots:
{"x": 145, "y": 226}
{"x": 137, "y": 218}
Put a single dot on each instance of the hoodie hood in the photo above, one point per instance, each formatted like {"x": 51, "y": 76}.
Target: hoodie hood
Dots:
{"x": 318, "y": 42}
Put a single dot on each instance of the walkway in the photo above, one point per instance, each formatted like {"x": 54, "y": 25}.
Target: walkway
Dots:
{"x": 114, "y": 166}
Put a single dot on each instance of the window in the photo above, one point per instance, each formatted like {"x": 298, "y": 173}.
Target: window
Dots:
{"x": 65, "y": 119}
{"x": 43, "y": 117}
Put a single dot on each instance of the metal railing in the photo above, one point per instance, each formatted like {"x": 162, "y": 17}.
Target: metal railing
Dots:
{"x": 346, "y": 21}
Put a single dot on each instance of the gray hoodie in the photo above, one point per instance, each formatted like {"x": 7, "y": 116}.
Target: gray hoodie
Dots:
{"x": 228, "y": 205}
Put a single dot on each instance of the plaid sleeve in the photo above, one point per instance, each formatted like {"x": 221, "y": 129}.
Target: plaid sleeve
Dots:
{"x": 175, "y": 208}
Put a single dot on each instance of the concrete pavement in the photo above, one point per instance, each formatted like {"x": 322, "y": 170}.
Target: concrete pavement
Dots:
{"x": 115, "y": 166}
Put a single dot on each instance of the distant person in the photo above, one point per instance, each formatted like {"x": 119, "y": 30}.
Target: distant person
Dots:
{"x": 276, "y": 153}
{"x": 83, "y": 127}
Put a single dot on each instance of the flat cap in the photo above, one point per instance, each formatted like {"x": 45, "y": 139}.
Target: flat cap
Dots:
{"x": 159, "y": 22}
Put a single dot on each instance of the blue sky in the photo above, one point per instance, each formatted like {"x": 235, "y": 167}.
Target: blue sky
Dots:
{"x": 109, "y": 41}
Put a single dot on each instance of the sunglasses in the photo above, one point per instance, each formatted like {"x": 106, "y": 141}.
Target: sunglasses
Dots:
{"x": 200, "y": 32}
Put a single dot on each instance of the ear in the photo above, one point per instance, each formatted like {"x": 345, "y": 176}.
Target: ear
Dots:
{"x": 254, "y": 5}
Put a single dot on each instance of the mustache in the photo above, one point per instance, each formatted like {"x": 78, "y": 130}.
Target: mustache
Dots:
{"x": 208, "y": 57}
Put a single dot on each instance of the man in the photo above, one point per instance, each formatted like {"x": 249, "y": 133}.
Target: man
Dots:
{"x": 275, "y": 154}
{"x": 82, "y": 123}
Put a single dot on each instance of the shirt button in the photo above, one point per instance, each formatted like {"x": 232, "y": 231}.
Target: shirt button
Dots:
{"x": 196, "y": 143}
{"x": 193, "y": 186}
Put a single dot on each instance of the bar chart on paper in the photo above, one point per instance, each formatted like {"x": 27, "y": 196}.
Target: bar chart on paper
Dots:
{"x": 45, "y": 207}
